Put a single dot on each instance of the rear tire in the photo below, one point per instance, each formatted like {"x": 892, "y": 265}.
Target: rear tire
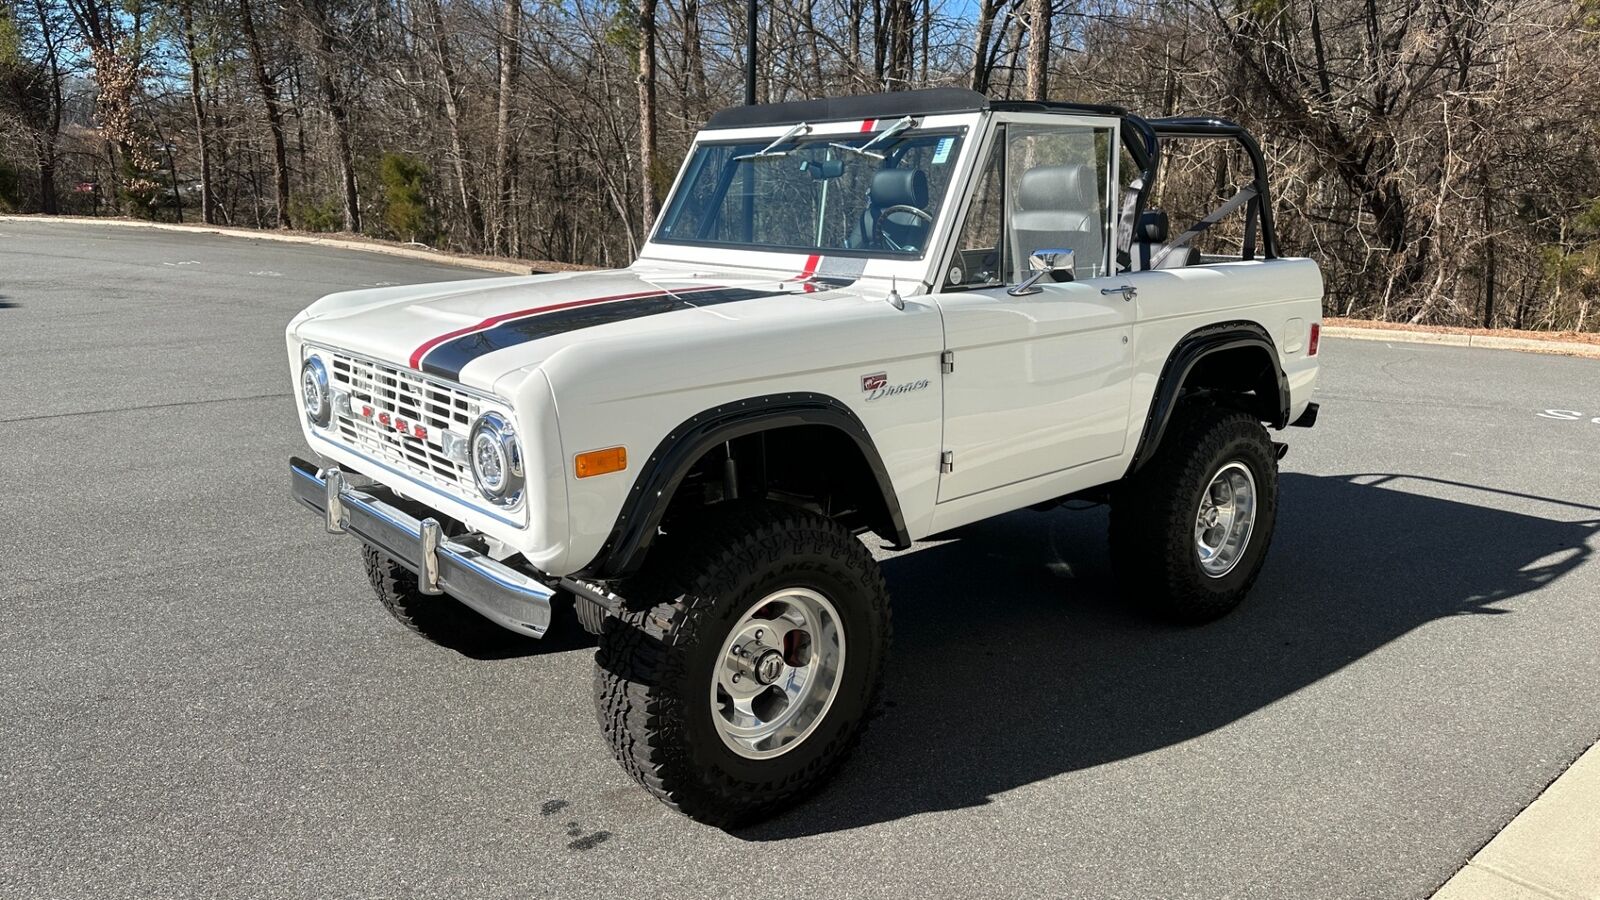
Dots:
{"x": 440, "y": 618}
{"x": 1190, "y": 532}
{"x": 683, "y": 687}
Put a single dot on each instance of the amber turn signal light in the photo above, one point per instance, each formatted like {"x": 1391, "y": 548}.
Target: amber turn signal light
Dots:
{"x": 599, "y": 462}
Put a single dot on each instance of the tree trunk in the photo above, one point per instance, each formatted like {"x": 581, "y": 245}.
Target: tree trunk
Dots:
{"x": 694, "y": 61}
{"x": 510, "y": 54}
{"x": 901, "y": 52}
{"x": 857, "y": 8}
{"x": 452, "y": 113}
{"x": 980, "y": 47}
{"x": 647, "y": 110}
{"x": 1038, "y": 49}
{"x": 47, "y": 188}
{"x": 808, "y": 21}
{"x": 332, "y": 97}
{"x": 1490, "y": 263}
{"x": 269, "y": 100}
{"x": 198, "y": 104}
{"x": 45, "y": 139}
{"x": 347, "y": 162}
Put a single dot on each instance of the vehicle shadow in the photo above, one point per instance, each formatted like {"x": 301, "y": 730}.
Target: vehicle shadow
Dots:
{"x": 1013, "y": 662}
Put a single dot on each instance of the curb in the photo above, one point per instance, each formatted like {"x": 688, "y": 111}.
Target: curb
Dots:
{"x": 1451, "y": 339}
{"x": 437, "y": 256}
{"x": 1549, "y": 851}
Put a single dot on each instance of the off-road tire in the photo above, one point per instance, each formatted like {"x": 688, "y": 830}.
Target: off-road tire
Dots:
{"x": 1153, "y": 516}
{"x": 438, "y": 617}
{"x": 591, "y": 615}
{"x": 656, "y": 659}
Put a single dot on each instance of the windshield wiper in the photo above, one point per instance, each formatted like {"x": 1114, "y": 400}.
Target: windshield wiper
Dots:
{"x": 866, "y": 149}
{"x": 771, "y": 151}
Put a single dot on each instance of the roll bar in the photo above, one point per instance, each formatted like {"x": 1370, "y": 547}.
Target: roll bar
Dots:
{"x": 1154, "y": 131}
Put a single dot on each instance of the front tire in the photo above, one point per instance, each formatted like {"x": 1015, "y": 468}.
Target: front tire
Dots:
{"x": 740, "y": 675}
{"x": 1189, "y": 533}
{"x": 440, "y": 618}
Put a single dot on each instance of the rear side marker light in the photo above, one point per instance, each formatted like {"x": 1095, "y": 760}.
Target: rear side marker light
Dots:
{"x": 599, "y": 462}
{"x": 1316, "y": 338}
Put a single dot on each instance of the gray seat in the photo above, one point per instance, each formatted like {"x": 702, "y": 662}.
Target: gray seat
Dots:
{"x": 893, "y": 187}
{"x": 1058, "y": 208}
{"x": 1150, "y": 240}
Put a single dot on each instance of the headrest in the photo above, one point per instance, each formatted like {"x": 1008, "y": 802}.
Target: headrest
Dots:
{"x": 899, "y": 187}
{"x": 1152, "y": 227}
{"x": 1058, "y": 188}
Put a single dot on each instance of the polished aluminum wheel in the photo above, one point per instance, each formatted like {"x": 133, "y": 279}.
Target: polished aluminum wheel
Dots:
{"x": 1226, "y": 517}
{"x": 778, "y": 673}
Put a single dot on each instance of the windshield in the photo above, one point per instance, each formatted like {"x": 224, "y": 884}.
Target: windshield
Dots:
{"x": 809, "y": 194}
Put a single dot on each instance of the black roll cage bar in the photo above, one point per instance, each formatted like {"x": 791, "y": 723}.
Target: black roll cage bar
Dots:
{"x": 1143, "y": 139}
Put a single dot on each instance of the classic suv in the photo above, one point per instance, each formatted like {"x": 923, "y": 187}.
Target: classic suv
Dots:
{"x": 894, "y": 314}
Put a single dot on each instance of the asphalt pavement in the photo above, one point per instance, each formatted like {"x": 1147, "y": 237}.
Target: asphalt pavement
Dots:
{"x": 201, "y": 697}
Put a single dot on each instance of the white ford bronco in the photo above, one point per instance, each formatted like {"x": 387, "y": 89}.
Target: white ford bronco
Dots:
{"x": 894, "y": 314}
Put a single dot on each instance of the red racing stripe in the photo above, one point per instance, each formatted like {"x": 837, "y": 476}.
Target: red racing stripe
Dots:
{"x": 868, "y": 124}
{"x": 420, "y": 352}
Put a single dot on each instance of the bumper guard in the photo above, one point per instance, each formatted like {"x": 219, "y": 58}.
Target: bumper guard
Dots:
{"x": 501, "y": 594}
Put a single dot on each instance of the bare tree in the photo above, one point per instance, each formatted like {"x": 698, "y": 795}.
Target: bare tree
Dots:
{"x": 647, "y": 111}
{"x": 274, "y": 113}
{"x": 1039, "y": 16}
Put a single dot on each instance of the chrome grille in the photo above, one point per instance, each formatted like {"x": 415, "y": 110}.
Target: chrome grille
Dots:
{"x": 438, "y": 407}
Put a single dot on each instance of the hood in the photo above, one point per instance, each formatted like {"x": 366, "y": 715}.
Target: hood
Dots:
{"x": 475, "y": 331}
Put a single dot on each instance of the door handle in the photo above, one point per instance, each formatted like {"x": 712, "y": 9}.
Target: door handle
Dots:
{"x": 1127, "y": 291}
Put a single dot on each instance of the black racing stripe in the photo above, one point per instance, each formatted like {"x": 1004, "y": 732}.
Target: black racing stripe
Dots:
{"x": 449, "y": 358}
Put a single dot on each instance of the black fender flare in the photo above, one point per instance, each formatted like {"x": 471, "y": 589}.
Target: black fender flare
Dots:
{"x": 664, "y": 471}
{"x": 1189, "y": 351}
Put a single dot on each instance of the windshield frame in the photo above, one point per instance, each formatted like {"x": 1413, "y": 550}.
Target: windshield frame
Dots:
{"x": 967, "y": 128}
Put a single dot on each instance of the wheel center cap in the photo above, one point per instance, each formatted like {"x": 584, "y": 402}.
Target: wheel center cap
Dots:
{"x": 1211, "y": 517}
{"x": 769, "y": 666}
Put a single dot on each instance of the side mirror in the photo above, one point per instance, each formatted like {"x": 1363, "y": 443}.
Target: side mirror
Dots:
{"x": 1060, "y": 265}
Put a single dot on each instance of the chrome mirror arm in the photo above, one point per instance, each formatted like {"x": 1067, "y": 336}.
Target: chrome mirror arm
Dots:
{"x": 1042, "y": 263}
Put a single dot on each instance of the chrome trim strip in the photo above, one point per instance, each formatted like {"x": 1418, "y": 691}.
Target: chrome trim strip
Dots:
{"x": 511, "y": 599}
{"x": 416, "y": 481}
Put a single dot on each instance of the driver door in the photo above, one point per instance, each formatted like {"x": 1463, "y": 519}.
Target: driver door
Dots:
{"x": 1039, "y": 383}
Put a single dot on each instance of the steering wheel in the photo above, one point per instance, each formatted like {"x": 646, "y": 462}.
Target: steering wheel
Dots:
{"x": 877, "y": 225}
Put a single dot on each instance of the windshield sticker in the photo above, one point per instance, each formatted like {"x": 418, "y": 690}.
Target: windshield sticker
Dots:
{"x": 941, "y": 153}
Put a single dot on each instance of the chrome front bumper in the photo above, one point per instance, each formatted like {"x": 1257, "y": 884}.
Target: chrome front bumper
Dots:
{"x": 501, "y": 594}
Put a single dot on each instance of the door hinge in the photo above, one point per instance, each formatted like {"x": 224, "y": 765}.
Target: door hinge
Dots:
{"x": 947, "y": 462}
{"x": 947, "y": 361}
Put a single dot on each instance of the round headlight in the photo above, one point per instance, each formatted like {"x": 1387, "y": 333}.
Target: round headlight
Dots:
{"x": 496, "y": 459}
{"x": 314, "y": 390}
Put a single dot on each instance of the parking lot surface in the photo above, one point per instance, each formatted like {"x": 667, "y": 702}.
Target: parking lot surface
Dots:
{"x": 202, "y": 698}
